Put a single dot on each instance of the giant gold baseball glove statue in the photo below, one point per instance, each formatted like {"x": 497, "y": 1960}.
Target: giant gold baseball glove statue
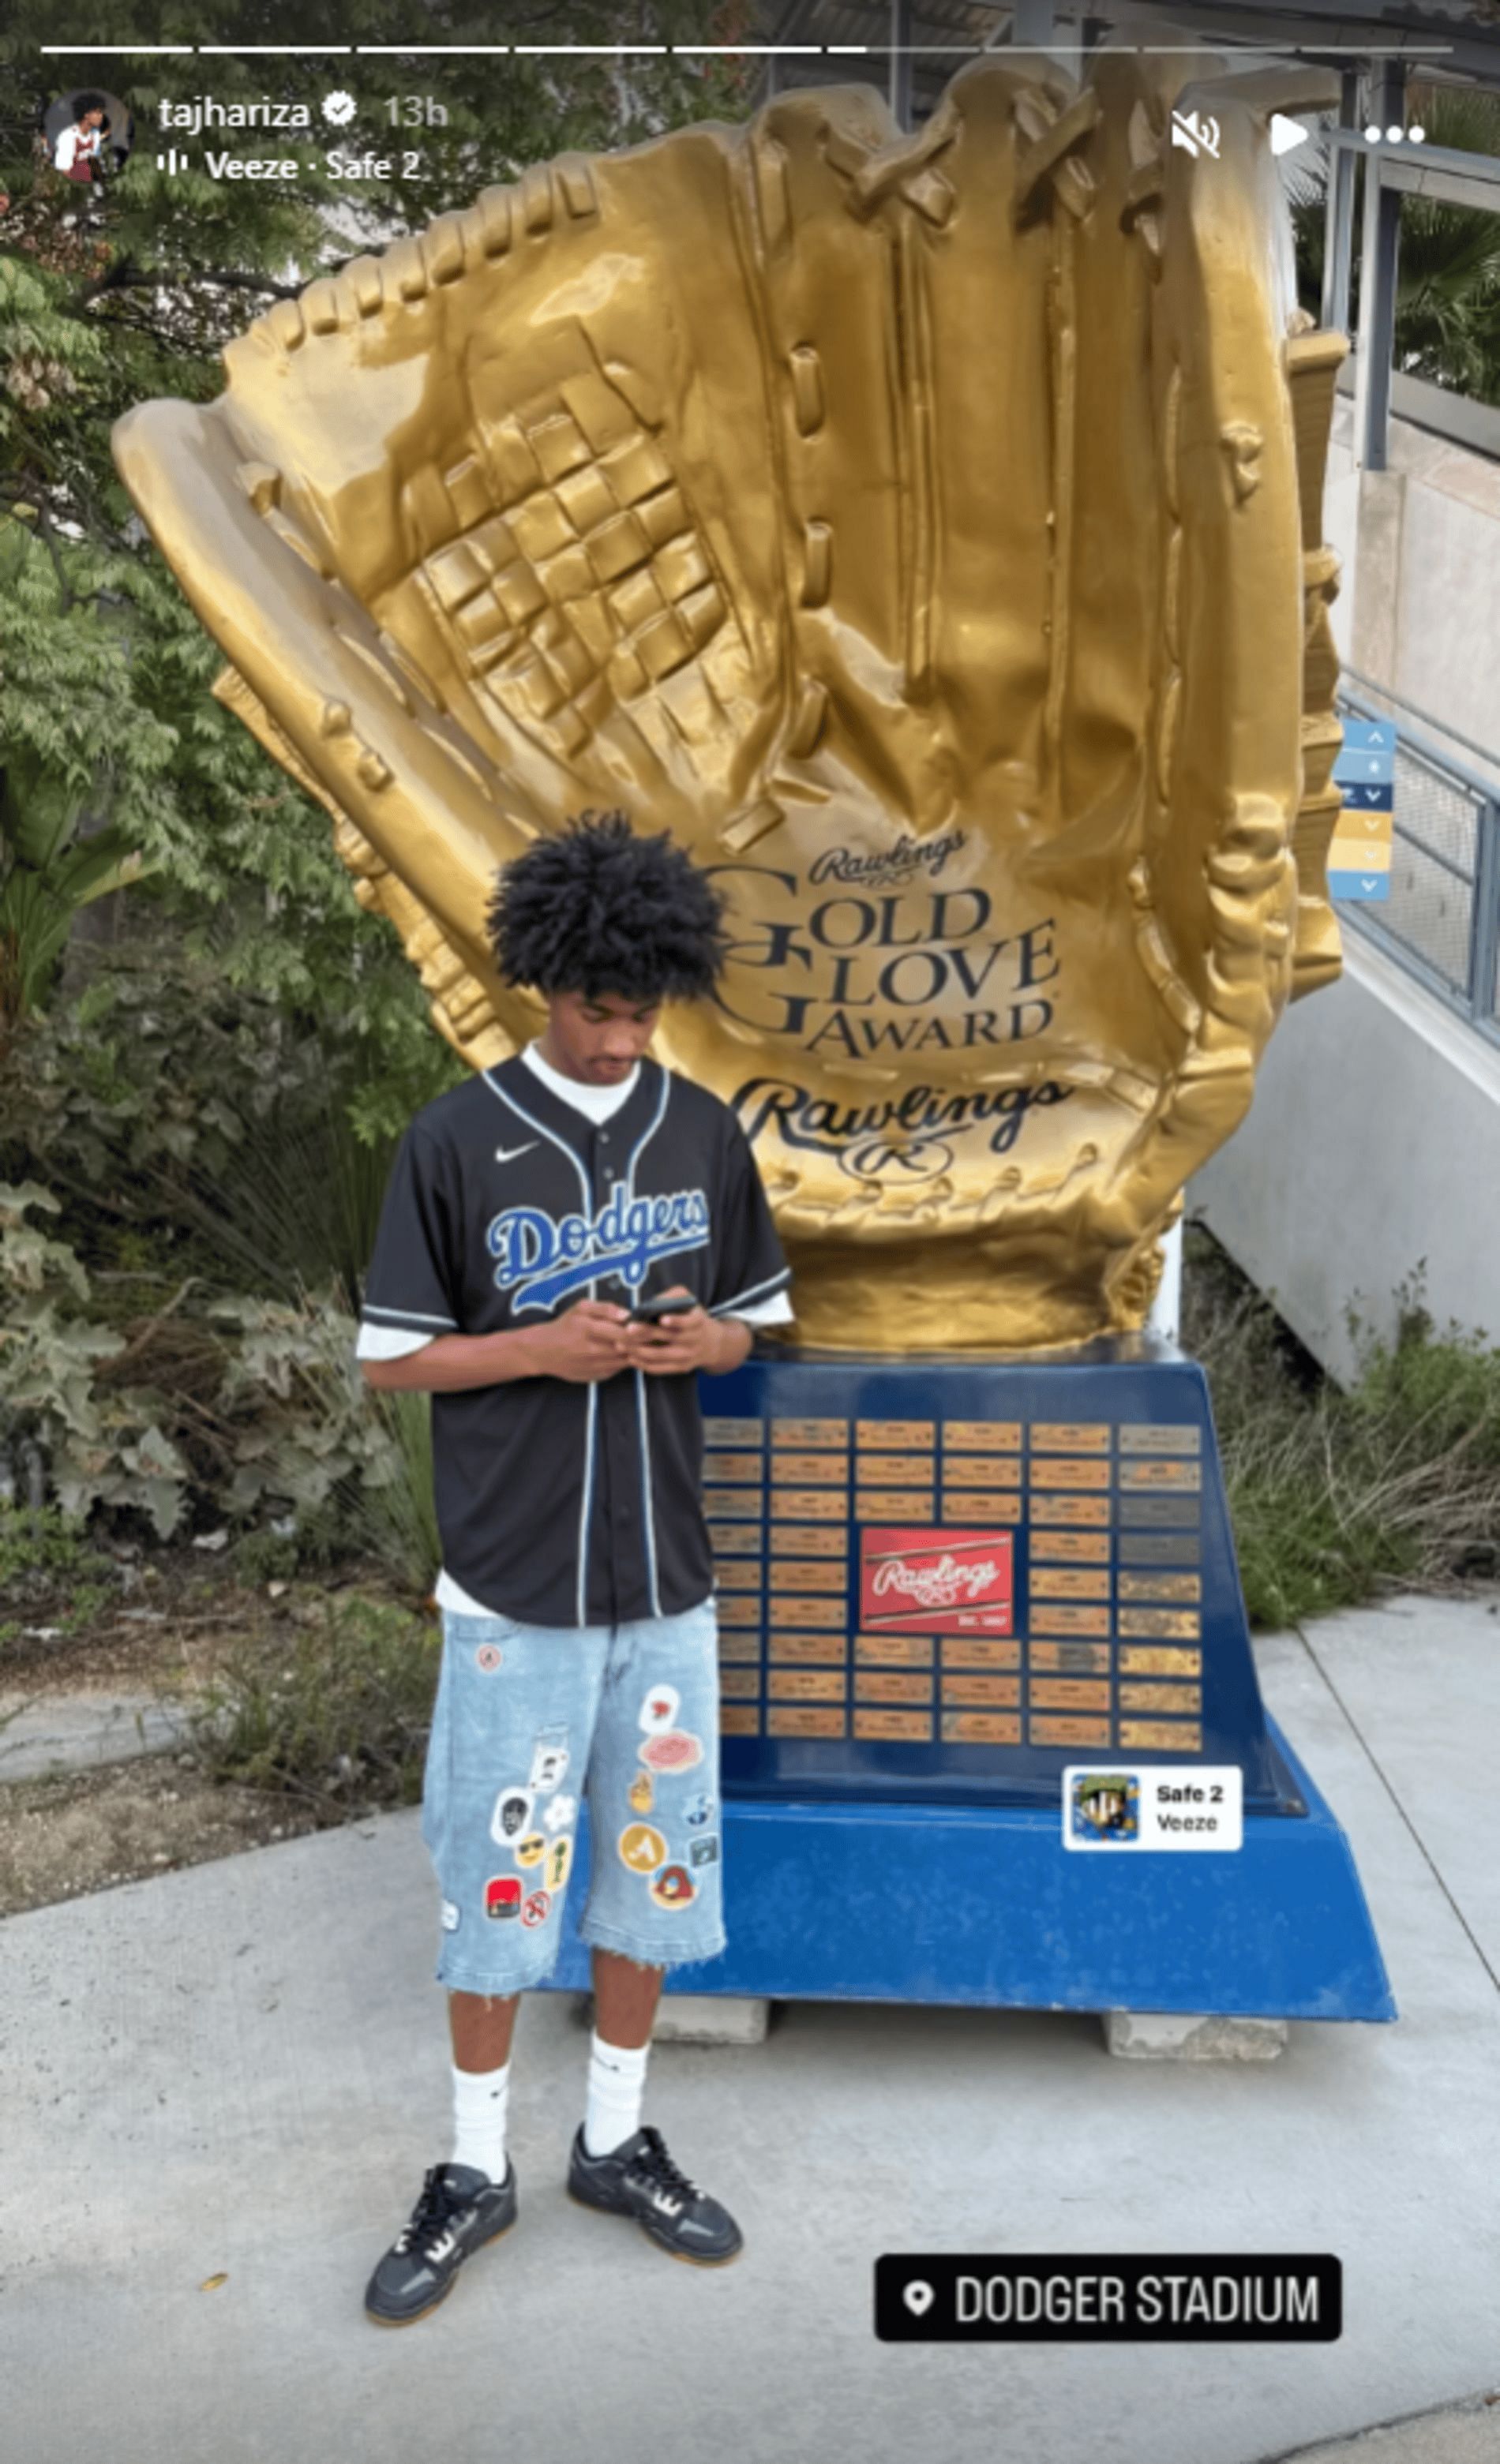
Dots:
{"x": 925, "y": 531}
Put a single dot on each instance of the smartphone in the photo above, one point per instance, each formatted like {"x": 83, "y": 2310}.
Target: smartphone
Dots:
{"x": 664, "y": 1304}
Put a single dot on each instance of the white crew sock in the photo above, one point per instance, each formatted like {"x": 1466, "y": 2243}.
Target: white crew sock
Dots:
{"x": 616, "y": 2085}
{"x": 481, "y": 2102}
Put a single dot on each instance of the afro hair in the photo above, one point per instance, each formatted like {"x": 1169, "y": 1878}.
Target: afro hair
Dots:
{"x": 597, "y": 910}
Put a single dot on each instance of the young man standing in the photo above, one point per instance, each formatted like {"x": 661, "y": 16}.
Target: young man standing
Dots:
{"x": 529, "y": 1212}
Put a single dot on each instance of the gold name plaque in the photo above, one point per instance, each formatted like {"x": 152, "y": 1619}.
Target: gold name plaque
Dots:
{"x": 982, "y": 1727}
{"x": 808, "y": 1540}
{"x": 894, "y": 1650}
{"x": 891, "y": 1685}
{"x": 803, "y": 1720}
{"x": 897, "y": 1727}
{"x": 819, "y": 1647}
{"x": 807, "y": 1684}
{"x": 818, "y": 1471}
{"x": 807, "y": 1574}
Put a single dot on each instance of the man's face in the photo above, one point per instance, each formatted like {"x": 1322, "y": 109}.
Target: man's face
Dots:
{"x": 597, "y": 1038}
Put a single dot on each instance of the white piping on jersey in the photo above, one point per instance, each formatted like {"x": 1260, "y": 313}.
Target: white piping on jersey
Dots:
{"x": 591, "y": 1414}
{"x": 372, "y": 1308}
{"x": 756, "y": 1292}
{"x": 646, "y": 1487}
{"x": 642, "y": 1411}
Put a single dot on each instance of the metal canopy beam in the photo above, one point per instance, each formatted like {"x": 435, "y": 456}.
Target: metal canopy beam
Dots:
{"x": 1339, "y": 222}
{"x": 1382, "y": 223}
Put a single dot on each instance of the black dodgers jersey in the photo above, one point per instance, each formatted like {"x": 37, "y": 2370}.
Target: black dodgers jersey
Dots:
{"x": 560, "y": 1503}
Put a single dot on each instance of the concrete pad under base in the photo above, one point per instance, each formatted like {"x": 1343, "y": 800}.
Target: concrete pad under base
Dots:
{"x": 1180, "y": 2037}
{"x": 697, "y": 2018}
{"x": 712, "y": 2019}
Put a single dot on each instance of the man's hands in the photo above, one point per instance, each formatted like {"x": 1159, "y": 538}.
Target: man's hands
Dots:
{"x": 588, "y": 1342}
{"x": 593, "y": 1339}
{"x": 694, "y": 1340}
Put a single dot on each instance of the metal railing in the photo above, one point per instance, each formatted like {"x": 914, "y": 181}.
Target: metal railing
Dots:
{"x": 1441, "y": 921}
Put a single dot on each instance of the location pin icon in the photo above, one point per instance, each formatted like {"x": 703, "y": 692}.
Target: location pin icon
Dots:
{"x": 919, "y": 2298}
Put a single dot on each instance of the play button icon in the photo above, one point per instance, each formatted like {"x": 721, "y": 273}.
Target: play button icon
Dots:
{"x": 1286, "y": 133}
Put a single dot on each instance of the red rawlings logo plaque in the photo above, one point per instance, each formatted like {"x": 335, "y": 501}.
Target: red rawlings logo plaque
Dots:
{"x": 932, "y": 1581}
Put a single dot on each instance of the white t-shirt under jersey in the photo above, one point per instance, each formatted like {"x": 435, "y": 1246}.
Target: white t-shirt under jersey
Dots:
{"x": 393, "y": 1342}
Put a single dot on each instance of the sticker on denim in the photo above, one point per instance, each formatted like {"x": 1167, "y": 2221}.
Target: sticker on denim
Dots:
{"x": 489, "y": 1656}
{"x": 531, "y": 1850}
{"x": 676, "y": 1749}
{"x": 549, "y": 1761}
{"x": 503, "y": 1896}
{"x": 704, "y": 1852}
{"x": 672, "y": 1887}
{"x": 698, "y": 1811}
{"x": 643, "y": 1796}
{"x": 450, "y": 1917}
{"x": 642, "y": 1848}
{"x": 659, "y": 1709}
{"x": 537, "y": 1910}
{"x": 558, "y": 1815}
{"x": 560, "y": 1862}
{"x": 512, "y": 1814}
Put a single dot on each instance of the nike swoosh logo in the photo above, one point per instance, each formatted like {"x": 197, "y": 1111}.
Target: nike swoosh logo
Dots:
{"x": 508, "y": 1154}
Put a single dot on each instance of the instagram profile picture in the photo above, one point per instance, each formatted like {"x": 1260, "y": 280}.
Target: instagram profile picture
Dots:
{"x": 89, "y": 133}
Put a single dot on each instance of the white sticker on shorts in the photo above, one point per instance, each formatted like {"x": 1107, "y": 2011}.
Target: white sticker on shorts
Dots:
{"x": 549, "y": 1761}
{"x": 450, "y": 1917}
{"x": 512, "y": 1815}
{"x": 659, "y": 1709}
{"x": 558, "y": 1815}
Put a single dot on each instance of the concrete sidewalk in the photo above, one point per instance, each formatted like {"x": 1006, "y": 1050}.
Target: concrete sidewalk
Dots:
{"x": 241, "y": 2070}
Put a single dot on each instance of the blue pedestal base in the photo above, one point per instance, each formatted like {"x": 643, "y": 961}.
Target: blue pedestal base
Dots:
{"x": 983, "y": 1905}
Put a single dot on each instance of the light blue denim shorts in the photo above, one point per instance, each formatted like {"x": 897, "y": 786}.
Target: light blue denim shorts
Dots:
{"x": 527, "y": 1718}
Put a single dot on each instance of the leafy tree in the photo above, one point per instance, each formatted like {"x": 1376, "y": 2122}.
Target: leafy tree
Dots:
{"x": 1448, "y": 292}
{"x": 130, "y": 289}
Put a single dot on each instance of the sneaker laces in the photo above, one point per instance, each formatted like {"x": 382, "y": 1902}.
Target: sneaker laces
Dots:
{"x": 426, "y": 2228}
{"x": 659, "y": 2169}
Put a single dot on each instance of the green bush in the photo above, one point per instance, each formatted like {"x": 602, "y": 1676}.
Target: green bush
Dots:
{"x": 336, "y": 1714}
{"x": 1336, "y": 1496}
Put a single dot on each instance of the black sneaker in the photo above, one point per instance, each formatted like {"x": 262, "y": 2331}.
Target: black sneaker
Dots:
{"x": 459, "y": 2210}
{"x": 639, "y": 2179}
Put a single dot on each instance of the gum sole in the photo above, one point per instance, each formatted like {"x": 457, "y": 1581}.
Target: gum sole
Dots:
{"x": 417, "y": 2316}
{"x": 685, "y": 2257}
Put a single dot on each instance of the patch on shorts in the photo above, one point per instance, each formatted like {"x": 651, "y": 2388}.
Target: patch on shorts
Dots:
{"x": 549, "y": 1761}
{"x": 537, "y": 1910}
{"x": 559, "y": 1863}
{"x": 675, "y": 1750}
{"x": 704, "y": 1852}
{"x": 643, "y": 1796}
{"x": 642, "y": 1848}
{"x": 503, "y": 1896}
{"x": 511, "y": 1815}
{"x": 659, "y": 1709}
{"x": 558, "y": 1815}
{"x": 531, "y": 1850}
{"x": 698, "y": 1810}
{"x": 672, "y": 1887}
{"x": 450, "y": 1917}
{"x": 489, "y": 1658}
